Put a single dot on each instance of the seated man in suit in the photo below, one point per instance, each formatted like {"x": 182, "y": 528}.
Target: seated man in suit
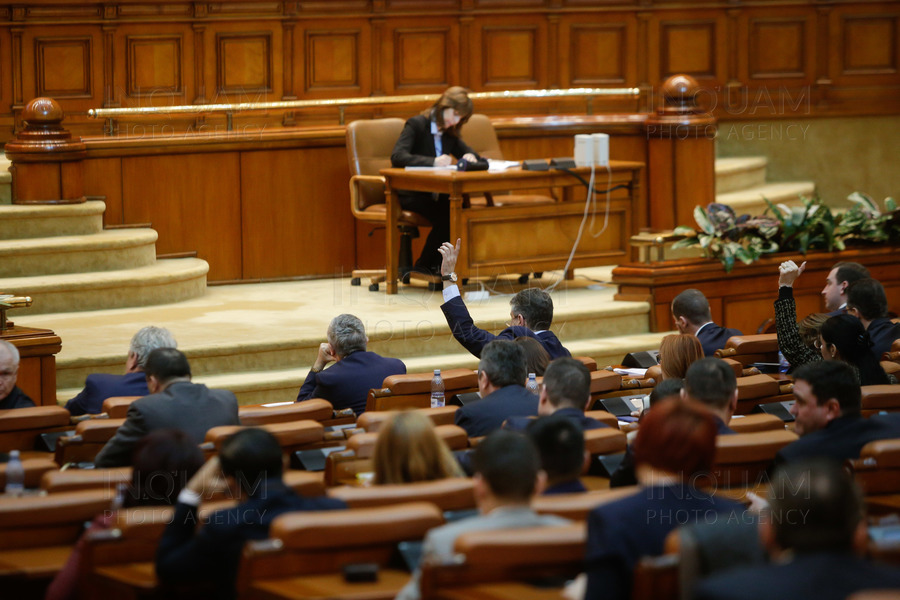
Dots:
{"x": 691, "y": 313}
{"x": 531, "y": 313}
{"x": 840, "y": 277}
{"x": 100, "y": 386}
{"x": 10, "y": 394}
{"x": 815, "y": 533}
{"x": 867, "y": 301}
{"x": 566, "y": 391}
{"x": 827, "y": 415}
{"x": 355, "y": 371}
{"x": 507, "y": 477}
{"x": 560, "y": 444}
{"x": 173, "y": 402}
{"x": 501, "y": 383}
{"x": 248, "y": 466}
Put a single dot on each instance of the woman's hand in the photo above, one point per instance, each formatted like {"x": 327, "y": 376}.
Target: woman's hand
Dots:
{"x": 788, "y": 273}
{"x": 444, "y": 160}
{"x": 469, "y": 157}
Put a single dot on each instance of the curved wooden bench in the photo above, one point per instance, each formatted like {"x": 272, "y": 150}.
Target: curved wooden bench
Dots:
{"x": 413, "y": 390}
{"x": 455, "y": 493}
{"x": 21, "y": 427}
{"x": 372, "y": 421}
{"x": 117, "y": 406}
{"x": 742, "y": 459}
{"x": 71, "y": 480}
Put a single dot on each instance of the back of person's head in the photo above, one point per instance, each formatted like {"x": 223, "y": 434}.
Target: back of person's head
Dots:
{"x": 815, "y": 506}
{"x": 251, "y": 456}
{"x": 560, "y": 444}
{"x": 9, "y": 351}
{"x": 693, "y": 306}
{"x": 845, "y": 335}
{"x": 503, "y": 362}
{"x": 536, "y": 357}
{"x": 408, "y": 449}
{"x": 536, "y": 307}
{"x": 868, "y": 297}
{"x": 163, "y": 462}
{"x": 677, "y": 437}
{"x": 509, "y": 464}
{"x": 149, "y": 339}
{"x": 710, "y": 381}
{"x": 665, "y": 390}
{"x": 832, "y": 379}
{"x": 457, "y": 98}
{"x": 166, "y": 364}
{"x": 567, "y": 383}
{"x": 810, "y": 327}
{"x": 677, "y": 352}
{"x": 347, "y": 334}
{"x": 849, "y": 272}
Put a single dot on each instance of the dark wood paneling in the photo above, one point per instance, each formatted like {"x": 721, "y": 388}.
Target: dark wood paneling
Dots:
{"x": 104, "y": 177}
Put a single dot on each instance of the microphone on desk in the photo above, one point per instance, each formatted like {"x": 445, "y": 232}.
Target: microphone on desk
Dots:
{"x": 479, "y": 165}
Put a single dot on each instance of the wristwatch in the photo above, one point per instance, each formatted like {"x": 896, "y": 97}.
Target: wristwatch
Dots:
{"x": 450, "y": 277}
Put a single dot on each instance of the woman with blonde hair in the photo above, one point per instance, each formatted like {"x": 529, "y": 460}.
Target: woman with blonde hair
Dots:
{"x": 676, "y": 353}
{"x": 409, "y": 450}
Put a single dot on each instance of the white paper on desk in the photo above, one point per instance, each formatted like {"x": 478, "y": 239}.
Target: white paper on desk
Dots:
{"x": 444, "y": 168}
{"x": 501, "y": 165}
{"x": 271, "y": 404}
{"x": 631, "y": 372}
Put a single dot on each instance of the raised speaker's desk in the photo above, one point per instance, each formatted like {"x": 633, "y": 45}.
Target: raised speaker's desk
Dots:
{"x": 522, "y": 238}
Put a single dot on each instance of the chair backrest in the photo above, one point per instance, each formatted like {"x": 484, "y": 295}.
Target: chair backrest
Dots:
{"x": 369, "y": 147}
{"x": 878, "y": 398}
{"x": 479, "y": 134}
{"x": 508, "y": 555}
{"x": 55, "y": 519}
{"x": 877, "y": 470}
{"x": 757, "y": 389}
{"x": 604, "y": 440}
{"x": 302, "y": 543}
{"x": 747, "y": 349}
{"x": 315, "y": 409}
{"x": 35, "y": 469}
{"x": 306, "y": 483}
{"x": 743, "y": 458}
{"x": 71, "y": 480}
{"x": 455, "y": 493}
{"x": 578, "y": 506}
{"x": 20, "y": 428}
{"x": 757, "y": 422}
{"x": 604, "y": 417}
{"x": 291, "y": 435}
{"x": 117, "y": 406}
{"x": 372, "y": 421}
{"x": 656, "y": 578}
{"x": 588, "y": 362}
{"x": 413, "y": 390}
{"x": 90, "y": 437}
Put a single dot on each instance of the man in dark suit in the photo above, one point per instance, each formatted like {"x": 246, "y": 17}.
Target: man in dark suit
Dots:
{"x": 840, "y": 277}
{"x": 346, "y": 384}
{"x": 249, "y": 463}
{"x": 501, "y": 383}
{"x": 11, "y": 396}
{"x": 827, "y": 415}
{"x": 867, "y": 301}
{"x": 691, "y": 313}
{"x": 560, "y": 443}
{"x": 100, "y": 386}
{"x": 565, "y": 391}
{"x": 174, "y": 402}
{"x": 815, "y": 533}
{"x": 531, "y": 313}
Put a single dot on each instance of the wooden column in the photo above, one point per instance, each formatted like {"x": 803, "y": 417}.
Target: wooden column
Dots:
{"x": 681, "y": 153}
{"x": 37, "y": 362}
{"x": 47, "y": 164}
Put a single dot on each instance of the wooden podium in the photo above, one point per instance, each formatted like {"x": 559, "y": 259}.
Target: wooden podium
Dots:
{"x": 37, "y": 364}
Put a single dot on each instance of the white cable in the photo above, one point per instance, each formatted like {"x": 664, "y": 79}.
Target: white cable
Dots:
{"x": 608, "y": 200}
{"x": 587, "y": 206}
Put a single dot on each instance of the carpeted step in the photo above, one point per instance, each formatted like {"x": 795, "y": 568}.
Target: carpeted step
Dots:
{"x": 104, "y": 251}
{"x": 751, "y": 201}
{"x": 162, "y": 282}
{"x": 740, "y": 173}
{"x": 25, "y": 221}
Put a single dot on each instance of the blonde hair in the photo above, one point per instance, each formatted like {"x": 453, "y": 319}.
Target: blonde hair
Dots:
{"x": 408, "y": 449}
{"x": 677, "y": 353}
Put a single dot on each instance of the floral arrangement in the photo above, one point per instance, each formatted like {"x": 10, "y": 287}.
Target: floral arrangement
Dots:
{"x": 729, "y": 238}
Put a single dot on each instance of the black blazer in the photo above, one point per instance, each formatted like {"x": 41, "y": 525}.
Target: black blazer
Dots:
{"x": 713, "y": 337}
{"x": 347, "y": 382}
{"x": 841, "y": 439}
{"x": 16, "y": 399}
{"x": 883, "y": 332}
{"x": 415, "y": 146}
{"x": 486, "y": 415}
{"x": 212, "y": 553}
{"x": 474, "y": 338}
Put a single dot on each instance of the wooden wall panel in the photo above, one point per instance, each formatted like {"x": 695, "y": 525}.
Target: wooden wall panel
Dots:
{"x": 688, "y": 45}
{"x": 63, "y": 67}
{"x": 511, "y": 56}
{"x": 332, "y": 61}
{"x": 779, "y": 49}
{"x": 244, "y": 63}
{"x": 105, "y": 177}
{"x": 868, "y": 47}
{"x": 599, "y": 54}
{"x": 153, "y": 65}
{"x": 193, "y": 201}
{"x": 422, "y": 56}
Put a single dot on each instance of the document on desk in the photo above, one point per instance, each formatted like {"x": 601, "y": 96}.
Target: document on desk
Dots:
{"x": 501, "y": 165}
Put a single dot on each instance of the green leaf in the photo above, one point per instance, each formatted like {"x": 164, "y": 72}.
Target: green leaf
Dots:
{"x": 703, "y": 220}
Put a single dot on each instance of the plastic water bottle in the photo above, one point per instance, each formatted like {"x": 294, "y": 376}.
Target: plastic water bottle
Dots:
{"x": 532, "y": 384}
{"x": 783, "y": 364}
{"x": 15, "y": 475}
{"x": 437, "y": 390}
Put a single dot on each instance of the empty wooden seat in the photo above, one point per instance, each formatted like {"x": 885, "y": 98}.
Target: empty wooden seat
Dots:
{"x": 413, "y": 390}
{"x": 578, "y": 506}
{"x": 20, "y": 427}
{"x": 743, "y": 458}
{"x": 748, "y": 349}
{"x": 880, "y": 398}
{"x": 89, "y": 439}
{"x": 604, "y": 382}
{"x": 447, "y": 494}
{"x": 372, "y": 421}
{"x": 877, "y": 470}
{"x": 758, "y": 389}
{"x": 72, "y": 480}
{"x": 604, "y": 440}
{"x": 756, "y": 422}
{"x": 117, "y": 406}
{"x": 306, "y": 551}
{"x": 507, "y": 555}
{"x": 35, "y": 469}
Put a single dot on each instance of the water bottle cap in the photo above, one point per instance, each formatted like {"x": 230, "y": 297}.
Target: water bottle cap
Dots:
{"x": 437, "y": 371}
{"x": 14, "y": 454}
{"x": 531, "y": 376}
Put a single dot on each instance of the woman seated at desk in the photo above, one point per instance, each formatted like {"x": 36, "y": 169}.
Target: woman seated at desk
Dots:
{"x": 432, "y": 139}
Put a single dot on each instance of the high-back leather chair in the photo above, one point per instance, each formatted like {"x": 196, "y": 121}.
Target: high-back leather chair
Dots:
{"x": 369, "y": 147}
